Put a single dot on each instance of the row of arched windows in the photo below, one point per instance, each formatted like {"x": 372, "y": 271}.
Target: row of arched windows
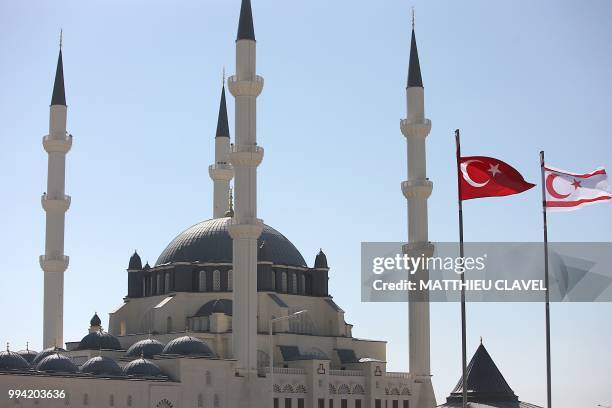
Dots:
{"x": 216, "y": 281}
{"x": 163, "y": 284}
{"x": 289, "y": 282}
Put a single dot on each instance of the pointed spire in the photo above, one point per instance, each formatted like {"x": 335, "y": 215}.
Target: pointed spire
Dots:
{"x": 222, "y": 123}
{"x": 59, "y": 95}
{"x": 245, "y": 25}
{"x": 414, "y": 68}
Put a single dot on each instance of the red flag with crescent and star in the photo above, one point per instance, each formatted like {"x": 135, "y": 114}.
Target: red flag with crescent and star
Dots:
{"x": 482, "y": 176}
{"x": 566, "y": 191}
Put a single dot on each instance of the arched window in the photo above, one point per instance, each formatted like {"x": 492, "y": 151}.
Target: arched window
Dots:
{"x": 202, "y": 281}
{"x": 200, "y": 400}
{"x": 208, "y": 378}
{"x": 293, "y": 283}
{"x": 230, "y": 280}
{"x": 216, "y": 401}
{"x": 169, "y": 324}
{"x": 159, "y": 284}
{"x": 167, "y": 282}
{"x": 111, "y": 400}
{"x": 303, "y": 282}
{"x": 284, "y": 281}
{"x": 273, "y": 280}
{"x": 216, "y": 280}
{"x": 129, "y": 401}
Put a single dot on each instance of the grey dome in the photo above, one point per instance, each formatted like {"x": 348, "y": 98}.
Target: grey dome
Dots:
{"x": 142, "y": 368}
{"x": 188, "y": 346}
{"x": 46, "y": 352}
{"x": 145, "y": 348}
{"x": 215, "y": 306}
{"x": 99, "y": 340}
{"x": 135, "y": 263}
{"x": 28, "y": 355}
{"x": 101, "y": 365}
{"x": 321, "y": 260}
{"x": 56, "y": 363}
{"x": 95, "y": 320}
{"x": 209, "y": 241}
{"x": 11, "y": 360}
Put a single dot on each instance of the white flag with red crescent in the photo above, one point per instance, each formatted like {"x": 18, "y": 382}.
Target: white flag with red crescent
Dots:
{"x": 567, "y": 191}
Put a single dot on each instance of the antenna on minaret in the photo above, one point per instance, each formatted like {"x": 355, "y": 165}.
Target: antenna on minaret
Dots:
{"x": 61, "y": 38}
{"x": 223, "y": 75}
{"x": 413, "y": 17}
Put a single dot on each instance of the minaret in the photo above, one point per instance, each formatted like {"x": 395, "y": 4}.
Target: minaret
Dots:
{"x": 221, "y": 171}
{"x": 417, "y": 190}
{"x": 55, "y": 203}
{"x": 245, "y": 156}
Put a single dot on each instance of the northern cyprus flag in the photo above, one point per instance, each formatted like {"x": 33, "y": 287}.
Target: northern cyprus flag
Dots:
{"x": 566, "y": 191}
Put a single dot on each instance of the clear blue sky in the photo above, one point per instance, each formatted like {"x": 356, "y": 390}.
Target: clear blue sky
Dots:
{"x": 143, "y": 81}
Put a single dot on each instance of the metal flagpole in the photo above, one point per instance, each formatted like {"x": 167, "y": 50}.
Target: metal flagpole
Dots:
{"x": 461, "y": 255}
{"x": 548, "y": 386}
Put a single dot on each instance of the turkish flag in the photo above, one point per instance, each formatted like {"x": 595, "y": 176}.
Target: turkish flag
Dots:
{"x": 481, "y": 176}
{"x": 566, "y": 191}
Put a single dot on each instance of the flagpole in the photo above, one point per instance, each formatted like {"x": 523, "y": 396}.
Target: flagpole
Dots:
{"x": 547, "y": 307}
{"x": 461, "y": 255}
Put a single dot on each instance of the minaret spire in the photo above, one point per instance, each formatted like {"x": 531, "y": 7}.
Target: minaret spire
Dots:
{"x": 245, "y": 25}
{"x": 59, "y": 94}
{"x": 55, "y": 202}
{"x": 414, "y": 68}
{"x": 222, "y": 122}
{"x": 417, "y": 189}
{"x": 221, "y": 171}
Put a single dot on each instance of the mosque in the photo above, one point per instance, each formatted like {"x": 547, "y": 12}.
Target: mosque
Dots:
{"x": 231, "y": 315}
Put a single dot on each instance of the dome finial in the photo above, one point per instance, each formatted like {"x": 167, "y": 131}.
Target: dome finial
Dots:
{"x": 481, "y": 340}
{"x": 230, "y": 204}
{"x": 27, "y": 346}
{"x": 61, "y": 37}
{"x": 7, "y": 346}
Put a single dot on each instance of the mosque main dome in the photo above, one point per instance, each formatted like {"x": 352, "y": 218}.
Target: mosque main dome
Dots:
{"x": 210, "y": 241}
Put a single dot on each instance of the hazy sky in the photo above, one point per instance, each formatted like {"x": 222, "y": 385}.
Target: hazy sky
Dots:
{"x": 143, "y": 81}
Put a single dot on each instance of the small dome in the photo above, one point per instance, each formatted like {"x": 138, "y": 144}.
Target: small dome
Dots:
{"x": 188, "y": 346}
{"x": 46, "y": 352}
{"x": 142, "y": 368}
{"x": 28, "y": 355}
{"x": 101, "y": 366}
{"x": 321, "y": 260}
{"x": 56, "y": 363}
{"x": 99, "y": 340}
{"x": 95, "y": 320}
{"x": 11, "y": 360}
{"x": 145, "y": 348}
{"x": 135, "y": 262}
{"x": 215, "y": 306}
{"x": 147, "y": 266}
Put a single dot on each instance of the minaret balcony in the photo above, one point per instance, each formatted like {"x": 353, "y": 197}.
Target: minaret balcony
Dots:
{"x": 417, "y": 188}
{"x": 221, "y": 171}
{"x": 54, "y": 144}
{"x": 56, "y": 204}
{"x": 54, "y": 263}
{"x": 246, "y": 229}
{"x": 246, "y": 155}
{"x": 415, "y": 129}
{"x": 245, "y": 87}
